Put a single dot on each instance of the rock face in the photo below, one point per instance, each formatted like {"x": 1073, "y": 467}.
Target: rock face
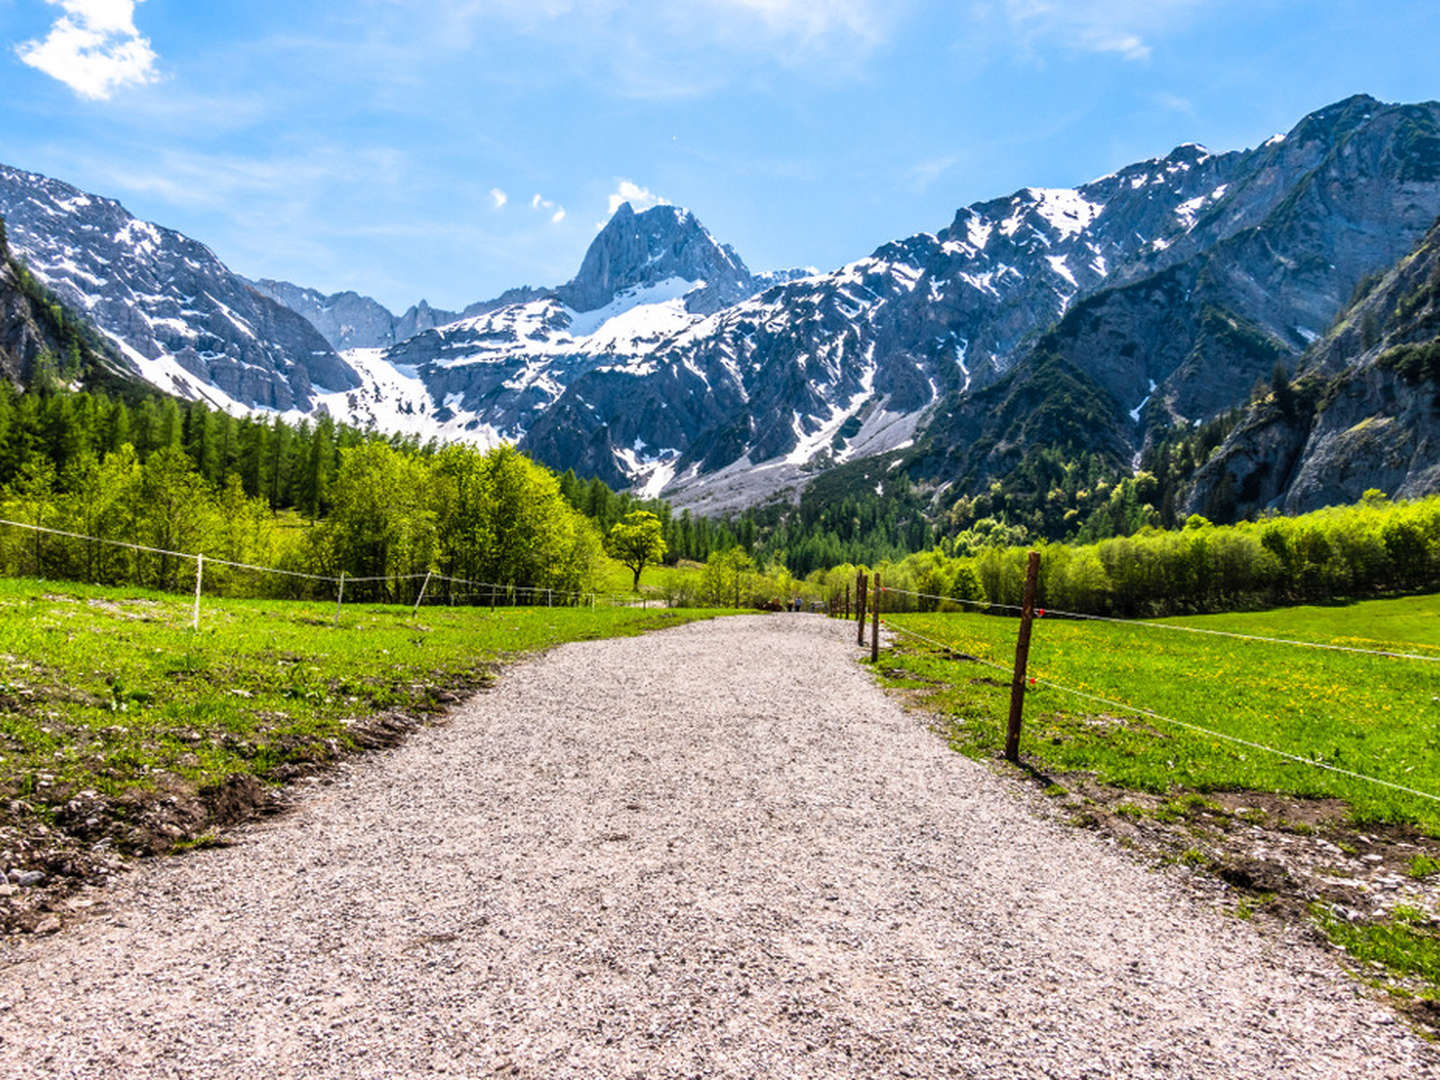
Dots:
{"x": 31, "y": 331}
{"x": 187, "y": 323}
{"x": 1364, "y": 414}
{"x": 639, "y": 251}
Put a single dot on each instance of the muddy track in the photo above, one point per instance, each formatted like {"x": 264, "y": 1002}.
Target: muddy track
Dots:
{"x": 713, "y": 851}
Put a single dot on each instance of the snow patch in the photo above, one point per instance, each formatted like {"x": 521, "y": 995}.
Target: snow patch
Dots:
{"x": 1138, "y": 409}
{"x": 1058, "y": 264}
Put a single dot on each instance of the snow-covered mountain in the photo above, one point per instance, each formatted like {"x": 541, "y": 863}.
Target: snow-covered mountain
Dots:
{"x": 186, "y": 322}
{"x": 348, "y": 320}
{"x": 667, "y": 365}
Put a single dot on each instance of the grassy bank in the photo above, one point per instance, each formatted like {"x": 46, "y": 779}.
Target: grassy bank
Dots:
{"x": 123, "y": 729}
{"x": 1368, "y": 714}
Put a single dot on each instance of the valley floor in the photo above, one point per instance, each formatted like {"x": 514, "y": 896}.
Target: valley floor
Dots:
{"x": 719, "y": 850}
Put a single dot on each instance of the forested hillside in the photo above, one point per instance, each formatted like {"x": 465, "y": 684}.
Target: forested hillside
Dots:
{"x": 306, "y": 498}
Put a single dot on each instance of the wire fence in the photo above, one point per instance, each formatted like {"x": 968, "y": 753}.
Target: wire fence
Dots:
{"x": 1023, "y": 682}
{"x": 474, "y": 592}
{"x": 1145, "y": 624}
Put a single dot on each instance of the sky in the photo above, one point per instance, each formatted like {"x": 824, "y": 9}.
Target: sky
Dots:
{"x": 455, "y": 148}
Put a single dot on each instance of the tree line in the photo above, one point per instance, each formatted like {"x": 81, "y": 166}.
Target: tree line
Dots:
{"x": 1374, "y": 548}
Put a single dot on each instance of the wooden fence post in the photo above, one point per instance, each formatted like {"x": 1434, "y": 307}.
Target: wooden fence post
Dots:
{"x": 421, "y": 598}
{"x": 860, "y": 587}
{"x": 875, "y": 627}
{"x": 1022, "y": 660}
{"x": 339, "y": 597}
{"x": 847, "y": 601}
{"x": 199, "y": 573}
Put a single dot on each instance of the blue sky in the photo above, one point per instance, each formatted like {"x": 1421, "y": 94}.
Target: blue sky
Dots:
{"x": 367, "y": 144}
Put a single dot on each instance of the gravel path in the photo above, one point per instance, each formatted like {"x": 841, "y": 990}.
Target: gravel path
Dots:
{"x": 714, "y": 851}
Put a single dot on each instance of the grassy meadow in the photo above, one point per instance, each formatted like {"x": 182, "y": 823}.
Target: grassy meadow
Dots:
{"x": 1368, "y": 714}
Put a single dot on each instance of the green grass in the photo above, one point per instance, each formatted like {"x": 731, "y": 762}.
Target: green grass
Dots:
{"x": 1422, "y": 867}
{"x": 1407, "y": 945}
{"x": 1372, "y": 715}
{"x": 110, "y": 690}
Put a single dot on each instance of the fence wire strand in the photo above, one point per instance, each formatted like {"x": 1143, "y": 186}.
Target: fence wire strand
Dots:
{"x": 210, "y": 560}
{"x": 1196, "y": 728}
{"x": 1152, "y": 625}
{"x": 1149, "y": 625}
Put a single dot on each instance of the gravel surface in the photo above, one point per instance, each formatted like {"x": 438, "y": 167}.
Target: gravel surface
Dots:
{"x": 713, "y": 851}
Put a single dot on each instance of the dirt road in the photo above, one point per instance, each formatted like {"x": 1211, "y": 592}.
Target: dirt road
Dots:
{"x": 714, "y": 851}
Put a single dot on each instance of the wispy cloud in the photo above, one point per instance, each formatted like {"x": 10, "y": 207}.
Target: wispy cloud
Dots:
{"x": 498, "y": 197}
{"x": 683, "y": 48}
{"x": 1175, "y": 103}
{"x": 639, "y": 198}
{"x": 539, "y": 202}
{"x": 94, "y": 48}
{"x": 919, "y": 177}
{"x": 1124, "y": 28}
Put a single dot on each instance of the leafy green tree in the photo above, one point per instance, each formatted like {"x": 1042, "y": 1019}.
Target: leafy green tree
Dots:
{"x": 382, "y": 525}
{"x": 724, "y": 575}
{"x": 636, "y": 540}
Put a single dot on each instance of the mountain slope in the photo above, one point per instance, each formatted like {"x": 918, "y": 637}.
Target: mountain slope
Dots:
{"x": 1260, "y": 273}
{"x": 37, "y": 333}
{"x": 1364, "y": 412}
{"x": 188, "y": 324}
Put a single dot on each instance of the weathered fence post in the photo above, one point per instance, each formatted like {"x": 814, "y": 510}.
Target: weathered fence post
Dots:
{"x": 421, "y": 598}
{"x": 199, "y": 573}
{"x": 847, "y": 600}
{"x": 339, "y": 597}
{"x": 1022, "y": 660}
{"x": 860, "y": 587}
{"x": 875, "y": 626}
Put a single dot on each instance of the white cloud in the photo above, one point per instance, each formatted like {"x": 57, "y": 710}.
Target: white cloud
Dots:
{"x": 539, "y": 202}
{"x": 1124, "y": 28}
{"x": 499, "y": 197}
{"x": 638, "y": 197}
{"x": 1175, "y": 103}
{"x": 558, "y": 216}
{"x": 94, "y": 48}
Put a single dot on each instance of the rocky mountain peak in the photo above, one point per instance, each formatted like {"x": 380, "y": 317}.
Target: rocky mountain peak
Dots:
{"x": 636, "y": 250}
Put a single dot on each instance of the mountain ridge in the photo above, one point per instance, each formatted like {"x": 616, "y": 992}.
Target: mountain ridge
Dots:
{"x": 1157, "y": 293}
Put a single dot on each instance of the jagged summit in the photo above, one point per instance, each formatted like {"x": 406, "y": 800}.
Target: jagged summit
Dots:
{"x": 664, "y": 242}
